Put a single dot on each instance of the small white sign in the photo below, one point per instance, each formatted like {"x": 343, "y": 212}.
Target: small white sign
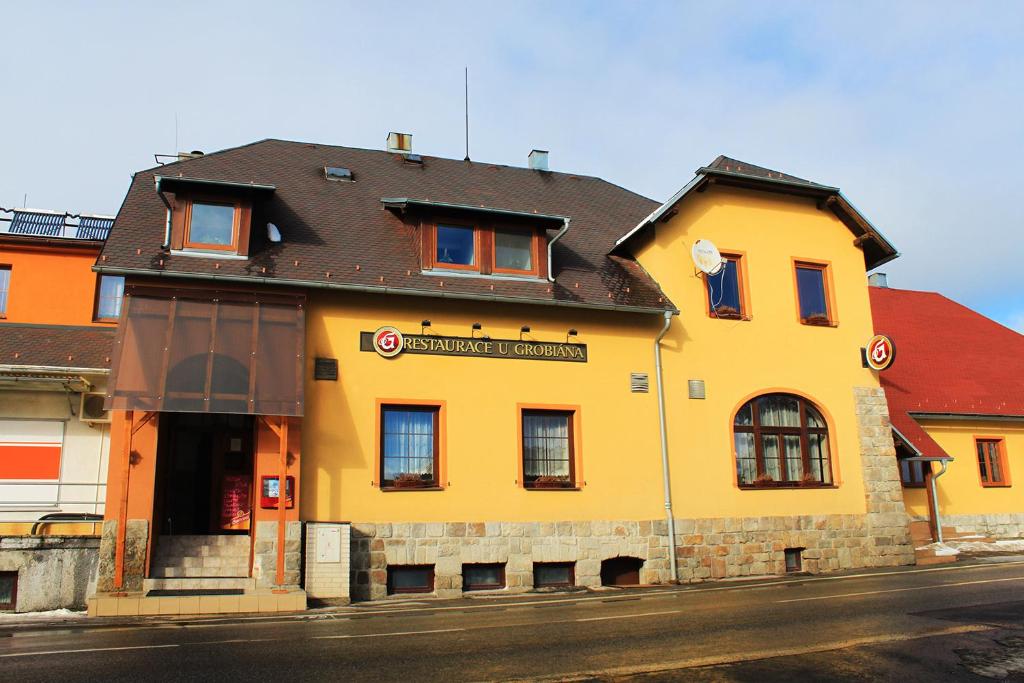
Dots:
{"x": 328, "y": 544}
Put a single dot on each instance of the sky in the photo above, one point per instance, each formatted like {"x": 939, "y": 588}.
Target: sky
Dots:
{"x": 916, "y": 110}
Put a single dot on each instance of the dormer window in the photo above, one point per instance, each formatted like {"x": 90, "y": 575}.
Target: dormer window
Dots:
{"x": 484, "y": 248}
{"x": 212, "y": 225}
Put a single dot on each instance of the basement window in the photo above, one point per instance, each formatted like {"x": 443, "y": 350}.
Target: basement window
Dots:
{"x": 793, "y": 561}
{"x": 478, "y": 577}
{"x": 410, "y": 579}
{"x": 554, "y": 574}
{"x": 8, "y": 590}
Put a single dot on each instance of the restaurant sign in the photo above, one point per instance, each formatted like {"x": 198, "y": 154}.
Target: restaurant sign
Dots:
{"x": 389, "y": 342}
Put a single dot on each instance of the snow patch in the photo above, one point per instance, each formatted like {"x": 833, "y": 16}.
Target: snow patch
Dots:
{"x": 50, "y": 614}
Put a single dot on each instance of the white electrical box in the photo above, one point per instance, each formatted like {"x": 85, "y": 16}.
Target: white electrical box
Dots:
{"x": 328, "y": 544}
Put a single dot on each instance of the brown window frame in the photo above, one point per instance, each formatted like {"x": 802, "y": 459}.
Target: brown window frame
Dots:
{"x": 13, "y": 604}
{"x": 429, "y": 588}
{"x": 96, "y": 317}
{"x": 572, "y": 414}
{"x": 739, "y": 258}
{"x": 803, "y": 431}
{"x": 436, "y": 408}
{"x": 484, "y": 586}
{"x": 912, "y": 483}
{"x": 572, "y": 574}
{"x": 484, "y": 248}
{"x": 985, "y": 474}
{"x": 6, "y": 300}
{"x": 236, "y": 204}
{"x": 825, "y": 268}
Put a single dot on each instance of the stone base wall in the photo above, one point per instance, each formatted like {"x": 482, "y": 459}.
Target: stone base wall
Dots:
{"x": 54, "y": 572}
{"x": 999, "y": 526}
{"x": 327, "y": 563}
{"x": 136, "y": 541}
{"x": 705, "y": 548}
{"x": 264, "y": 566}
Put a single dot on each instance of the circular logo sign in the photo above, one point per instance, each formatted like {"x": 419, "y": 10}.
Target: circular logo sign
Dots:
{"x": 880, "y": 352}
{"x": 388, "y": 342}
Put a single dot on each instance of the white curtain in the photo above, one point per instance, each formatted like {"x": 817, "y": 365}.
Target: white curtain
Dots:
{"x": 779, "y": 411}
{"x": 545, "y": 445}
{"x": 408, "y": 442}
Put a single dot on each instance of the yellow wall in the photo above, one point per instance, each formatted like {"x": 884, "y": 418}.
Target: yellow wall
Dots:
{"x": 960, "y": 490}
{"x": 620, "y": 439}
{"x": 771, "y": 351}
{"x": 619, "y": 435}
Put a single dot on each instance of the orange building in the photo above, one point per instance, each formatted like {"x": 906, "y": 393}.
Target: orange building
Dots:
{"x": 57, "y": 320}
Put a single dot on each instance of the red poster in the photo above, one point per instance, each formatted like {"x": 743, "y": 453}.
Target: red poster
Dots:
{"x": 235, "y": 506}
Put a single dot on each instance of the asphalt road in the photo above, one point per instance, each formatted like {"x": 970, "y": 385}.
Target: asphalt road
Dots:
{"x": 953, "y": 622}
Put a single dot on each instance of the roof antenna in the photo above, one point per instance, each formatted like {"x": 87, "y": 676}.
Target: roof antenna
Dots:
{"x": 176, "y": 148}
{"x": 467, "y": 113}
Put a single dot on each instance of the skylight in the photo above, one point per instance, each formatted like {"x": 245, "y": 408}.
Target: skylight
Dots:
{"x": 337, "y": 173}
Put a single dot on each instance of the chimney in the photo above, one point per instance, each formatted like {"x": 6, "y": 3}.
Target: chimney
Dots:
{"x": 185, "y": 156}
{"x": 878, "y": 280}
{"x": 400, "y": 142}
{"x": 538, "y": 160}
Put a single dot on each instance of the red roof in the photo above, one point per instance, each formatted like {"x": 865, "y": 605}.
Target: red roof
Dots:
{"x": 949, "y": 360}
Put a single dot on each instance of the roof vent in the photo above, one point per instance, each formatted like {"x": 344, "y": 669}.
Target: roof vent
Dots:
{"x": 337, "y": 173}
{"x": 400, "y": 142}
{"x": 413, "y": 159}
{"x": 538, "y": 160}
{"x": 639, "y": 383}
{"x": 878, "y": 280}
{"x": 185, "y": 156}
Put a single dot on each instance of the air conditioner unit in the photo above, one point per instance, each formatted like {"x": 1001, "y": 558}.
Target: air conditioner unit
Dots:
{"x": 91, "y": 408}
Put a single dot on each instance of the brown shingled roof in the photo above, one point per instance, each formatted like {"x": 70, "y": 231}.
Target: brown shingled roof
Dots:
{"x": 336, "y": 227}
{"x": 56, "y": 346}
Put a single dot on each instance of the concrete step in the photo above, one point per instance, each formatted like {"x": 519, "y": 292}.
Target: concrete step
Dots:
{"x": 235, "y": 570}
{"x": 208, "y": 583}
{"x": 928, "y": 557}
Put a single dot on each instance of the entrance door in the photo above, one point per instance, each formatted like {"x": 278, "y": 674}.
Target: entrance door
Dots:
{"x": 204, "y": 473}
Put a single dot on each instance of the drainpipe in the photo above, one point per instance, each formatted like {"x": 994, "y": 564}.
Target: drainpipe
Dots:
{"x": 664, "y": 449}
{"x": 551, "y": 243}
{"x": 935, "y": 497}
{"x": 167, "y": 227}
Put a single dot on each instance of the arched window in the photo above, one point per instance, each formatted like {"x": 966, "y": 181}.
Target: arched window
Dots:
{"x": 781, "y": 440}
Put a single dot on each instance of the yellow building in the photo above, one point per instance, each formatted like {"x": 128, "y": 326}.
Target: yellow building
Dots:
{"x": 959, "y": 434}
{"x": 502, "y": 378}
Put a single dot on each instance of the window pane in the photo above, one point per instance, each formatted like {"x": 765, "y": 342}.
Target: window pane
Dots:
{"x": 983, "y": 462}
{"x": 745, "y": 416}
{"x": 455, "y": 245}
{"x": 820, "y": 468}
{"x": 410, "y": 579}
{"x": 779, "y": 411}
{"x": 746, "y": 458}
{"x": 407, "y": 443}
{"x": 552, "y": 574}
{"x": 814, "y": 418}
{"x": 476, "y": 576}
{"x": 770, "y": 447}
{"x": 513, "y": 250}
{"x": 108, "y": 304}
{"x": 212, "y": 224}
{"x": 724, "y": 290}
{"x": 5, "y": 286}
{"x": 810, "y": 284}
{"x": 794, "y": 458}
{"x": 546, "y": 446}
{"x": 7, "y": 582}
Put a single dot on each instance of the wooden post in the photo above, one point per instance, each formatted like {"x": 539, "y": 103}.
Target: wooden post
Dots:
{"x": 122, "y": 513}
{"x": 282, "y": 500}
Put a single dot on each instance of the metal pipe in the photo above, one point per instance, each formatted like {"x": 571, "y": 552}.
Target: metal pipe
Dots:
{"x": 935, "y": 497}
{"x": 667, "y": 480}
{"x": 167, "y": 228}
{"x": 551, "y": 243}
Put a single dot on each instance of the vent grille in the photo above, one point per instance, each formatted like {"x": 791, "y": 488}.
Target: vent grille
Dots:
{"x": 696, "y": 387}
{"x": 639, "y": 383}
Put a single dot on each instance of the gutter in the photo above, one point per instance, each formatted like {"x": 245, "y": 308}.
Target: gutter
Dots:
{"x": 372, "y": 289}
{"x": 666, "y": 478}
{"x": 966, "y": 416}
{"x": 53, "y": 369}
{"x": 934, "y": 507}
{"x": 551, "y": 243}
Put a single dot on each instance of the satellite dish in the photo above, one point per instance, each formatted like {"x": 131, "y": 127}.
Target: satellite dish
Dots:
{"x": 707, "y": 257}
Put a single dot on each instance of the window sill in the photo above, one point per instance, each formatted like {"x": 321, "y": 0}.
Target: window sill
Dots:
{"x": 553, "y": 488}
{"x": 105, "y": 321}
{"x": 734, "y": 318}
{"x": 390, "y": 489}
{"x": 830, "y": 323}
{"x": 445, "y": 272}
{"x": 199, "y": 253}
{"x": 785, "y": 485}
{"x": 996, "y": 486}
{"x": 912, "y": 486}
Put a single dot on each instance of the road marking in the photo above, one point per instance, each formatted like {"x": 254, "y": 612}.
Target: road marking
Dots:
{"x": 902, "y": 590}
{"x": 91, "y": 649}
{"x": 631, "y": 616}
{"x": 395, "y": 633}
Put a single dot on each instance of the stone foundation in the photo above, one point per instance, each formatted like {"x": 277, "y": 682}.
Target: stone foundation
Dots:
{"x": 264, "y": 567}
{"x": 136, "y": 540}
{"x": 998, "y": 526}
{"x": 54, "y": 572}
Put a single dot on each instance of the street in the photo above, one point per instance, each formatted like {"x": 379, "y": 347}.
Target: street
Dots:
{"x": 955, "y": 622}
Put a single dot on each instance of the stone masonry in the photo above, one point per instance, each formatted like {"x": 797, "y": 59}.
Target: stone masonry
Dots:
{"x": 706, "y": 548}
{"x": 264, "y": 568}
{"x": 136, "y": 541}
{"x": 54, "y": 572}
{"x": 999, "y": 526}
